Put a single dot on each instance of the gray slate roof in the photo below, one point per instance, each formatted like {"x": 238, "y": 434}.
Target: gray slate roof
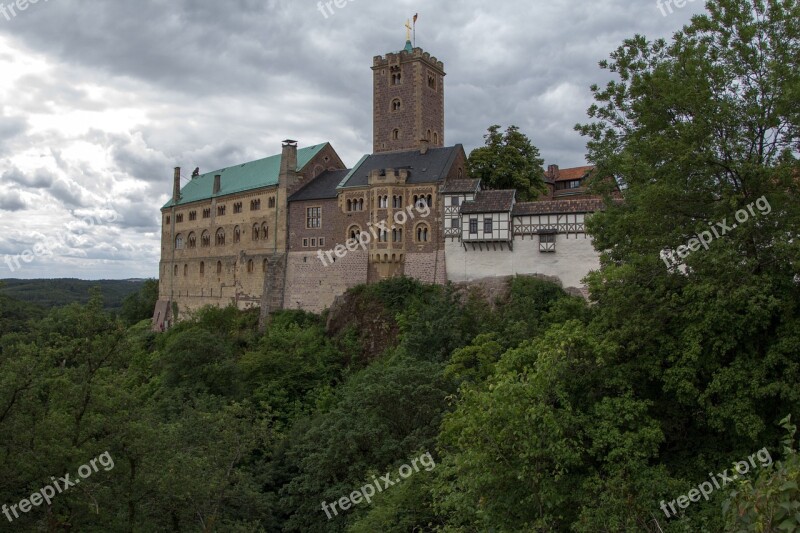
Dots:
{"x": 323, "y": 187}
{"x": 431, "y": 167}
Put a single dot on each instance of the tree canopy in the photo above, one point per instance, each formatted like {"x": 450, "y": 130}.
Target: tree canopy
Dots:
{"x": 508, "y": 161}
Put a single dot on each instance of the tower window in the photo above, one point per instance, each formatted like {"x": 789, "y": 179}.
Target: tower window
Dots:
{"x": 432, "y": 81}
{"x": 435, "y": 138}
{"x": 396, "y": 104}
{"x": 396, "y": 135}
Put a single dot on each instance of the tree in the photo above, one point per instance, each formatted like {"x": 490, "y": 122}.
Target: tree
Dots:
{"x": 508, "y": 161}
{"x": 139, "y": 305}
{"x": 704, "y": 133}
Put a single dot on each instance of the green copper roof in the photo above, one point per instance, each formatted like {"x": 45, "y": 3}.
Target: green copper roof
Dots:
{"x": 239, "y": 178}
{"x": 409, "y": 47}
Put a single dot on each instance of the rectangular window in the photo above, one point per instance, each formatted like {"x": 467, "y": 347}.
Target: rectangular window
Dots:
{"x": 313, "y": 243}
{"x": 547, "y": 242}
{"x": 305, "y": 243}
{"x": 456, "y": 201}
{"x": 454, "y": 222}
{"x": 473, "y": 226}
{"x": 487, "y": 225}
{"x": 314, "y": 217}
{"x": 322, "y": 241}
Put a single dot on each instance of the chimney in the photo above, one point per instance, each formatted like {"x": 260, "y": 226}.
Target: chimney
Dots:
{"x": 217, "y": 184}
{"x": 288, "y": 176}
{"x": 176, "y": 185}
{"x": 552, "y": 172}
{"x": 423, "y": 146}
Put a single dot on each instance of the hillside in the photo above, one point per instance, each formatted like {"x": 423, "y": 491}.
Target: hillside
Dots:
{"x": 50, "y": 293}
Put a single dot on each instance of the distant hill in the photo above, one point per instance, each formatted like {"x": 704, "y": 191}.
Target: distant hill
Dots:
{"x": 58, "y": 292}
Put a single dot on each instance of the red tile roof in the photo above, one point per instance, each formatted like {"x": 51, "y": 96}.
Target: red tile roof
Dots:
{"x": 549, "y": 207}
{"x": 569, "y": 174}
{"x": 460, "y": 186}
{"x": 490, "y": 202}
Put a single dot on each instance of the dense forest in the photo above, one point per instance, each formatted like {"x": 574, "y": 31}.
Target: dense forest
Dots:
{"x": 59, "y": 292}
{"x": 667, "y": 403}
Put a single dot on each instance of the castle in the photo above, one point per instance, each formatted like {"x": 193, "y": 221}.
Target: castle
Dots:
{"x": 296, "y": 230}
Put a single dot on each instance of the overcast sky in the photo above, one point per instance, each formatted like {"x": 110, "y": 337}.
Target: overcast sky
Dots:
{"x": 100, "y": 100}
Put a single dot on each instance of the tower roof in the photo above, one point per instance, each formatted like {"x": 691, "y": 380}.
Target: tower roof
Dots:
{"x": 409, "y": 47}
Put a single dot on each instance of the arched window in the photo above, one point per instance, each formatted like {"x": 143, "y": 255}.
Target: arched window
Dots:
{"x": 220, "y": 237}
{"x": 349, "y": 205}
{"x": 361, "y": 204}
{"x": 265, "y": 265}
{"x": 202, "y": 268}
{"x": 428, "y": 137}
{"x": 179, "y": 242}
{"x": 422, "y": 233}
{"x": 264, "y": 231}
{"x": 237, "y": 234}
{"x": 354, "y": 232}
{"x": 176, "y": 270}
{"x": 205, "y": 239}
{"x": 271, "y": 202}
{"x": 430, "y": 200}
{"x": 191, "y": 241}
{"x": 256, "y": 232}
{"x": 435, "y": 138}
{"x": 250, "y": 266}
{"x": 185, "y": 270}
{"x": 396, "y": 104}
{"x": 219, "y": 267}
{"x": 396, "y": 134}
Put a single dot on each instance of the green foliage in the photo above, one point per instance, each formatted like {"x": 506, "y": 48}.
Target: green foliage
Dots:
{"x": 508, "y": 161}
{"x": 770, "y": 502}
{"x": 140, "y": 305}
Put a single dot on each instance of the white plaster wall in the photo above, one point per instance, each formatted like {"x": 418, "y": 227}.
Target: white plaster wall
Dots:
{"x": 573, "y": 259}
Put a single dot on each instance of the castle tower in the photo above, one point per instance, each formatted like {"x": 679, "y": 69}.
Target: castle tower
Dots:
{"x": 408, "y": 101}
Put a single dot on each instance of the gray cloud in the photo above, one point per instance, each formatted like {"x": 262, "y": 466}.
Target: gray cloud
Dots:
{"x": 11, "y": 201}
{"x": 40, "y": 179}
{"x": 129, "y": 90}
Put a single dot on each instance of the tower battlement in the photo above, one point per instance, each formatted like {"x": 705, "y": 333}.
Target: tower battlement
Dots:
{"x": 392, "y": 58}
